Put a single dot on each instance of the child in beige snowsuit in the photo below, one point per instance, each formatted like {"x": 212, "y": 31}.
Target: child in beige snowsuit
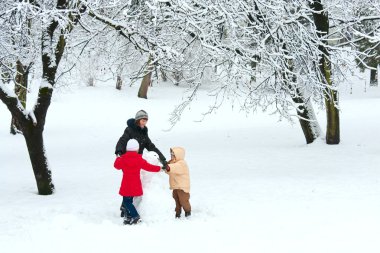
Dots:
{"x": 179, "y": 180}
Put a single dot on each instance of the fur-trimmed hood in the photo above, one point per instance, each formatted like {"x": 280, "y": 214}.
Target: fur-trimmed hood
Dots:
{"x": 132, "y": 124}
{"x": 179, "y": 153}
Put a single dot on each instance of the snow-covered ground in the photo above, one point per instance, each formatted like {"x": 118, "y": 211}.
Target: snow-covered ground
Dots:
{"x": 256, "y": 187}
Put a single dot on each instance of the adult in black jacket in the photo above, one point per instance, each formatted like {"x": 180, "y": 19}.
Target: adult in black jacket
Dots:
{"x": 136, "y": 129}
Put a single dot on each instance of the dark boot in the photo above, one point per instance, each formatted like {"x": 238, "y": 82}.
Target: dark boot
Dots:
{"x": 178, "y": 215}
{"x": 127, "y": 216}
{"x": 127, "y": 220}
{"x": 188, "y": 214}
{"x": 123, "y": 211}
{"x": 135, "y": 220}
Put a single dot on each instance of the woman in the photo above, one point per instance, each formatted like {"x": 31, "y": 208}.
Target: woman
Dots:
{"x": 136, "y": 129}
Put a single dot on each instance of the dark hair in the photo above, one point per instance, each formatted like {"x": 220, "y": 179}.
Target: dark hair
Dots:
{"x": 137, "y": 122}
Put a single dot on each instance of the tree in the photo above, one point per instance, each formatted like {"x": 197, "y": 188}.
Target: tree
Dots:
{"x": 277, "y": 55}
{"x": 286, "y": 48}
{"x": 150, "y": 29}
{"x": 146, "y": 81}
{"x": 264, "y": 55}
{"x": 321, "y": 21}
{"x": 52, "y": 22}
{"x": 18, "y": 20}
{"x": 369, "y": 59}
{"x": 367, "y": 46}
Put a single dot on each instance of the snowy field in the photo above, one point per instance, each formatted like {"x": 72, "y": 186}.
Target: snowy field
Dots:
{"x": 256, "y": 185}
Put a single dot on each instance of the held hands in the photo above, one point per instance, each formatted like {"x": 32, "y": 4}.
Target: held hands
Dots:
{"x": 166, "y": 168}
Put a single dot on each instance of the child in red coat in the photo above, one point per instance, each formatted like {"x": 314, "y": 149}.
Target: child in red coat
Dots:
{"x": 131, "y": 163}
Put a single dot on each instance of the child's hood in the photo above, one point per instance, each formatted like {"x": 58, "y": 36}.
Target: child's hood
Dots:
{"x": 179, "y": 153}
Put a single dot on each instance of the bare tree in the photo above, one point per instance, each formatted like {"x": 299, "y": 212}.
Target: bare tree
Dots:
{"x": 53, "y": 22}
{"x": 147, "y": 80}
{"x": 321, "y": 21}
{"x": 273, "y": 50}
{"x": 364, "y": 34}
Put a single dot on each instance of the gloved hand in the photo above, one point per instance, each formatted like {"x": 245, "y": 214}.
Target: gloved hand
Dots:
{"x": 164, "y": 163}
{"x": 118, "y": 153}
{"x": 166, "y": 168}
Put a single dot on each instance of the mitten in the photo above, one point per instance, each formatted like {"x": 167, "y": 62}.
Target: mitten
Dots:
{"x": 166, "y": 168}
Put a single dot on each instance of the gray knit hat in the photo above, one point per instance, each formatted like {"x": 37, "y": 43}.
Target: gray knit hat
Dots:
{"x": 141, "y": 115}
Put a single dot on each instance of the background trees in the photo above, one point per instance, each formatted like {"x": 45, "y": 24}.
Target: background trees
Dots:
{"x": 368, "y": 45}
{"x": 283, "y": 56}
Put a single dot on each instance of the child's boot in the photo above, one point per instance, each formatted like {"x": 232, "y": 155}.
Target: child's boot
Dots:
{"x": 177, "y": 215}
{"x": 135, "y": 220}
{"x": 123, "y": 211}
{"x": 127, "y": 219}
{"x": 187, "y": 214}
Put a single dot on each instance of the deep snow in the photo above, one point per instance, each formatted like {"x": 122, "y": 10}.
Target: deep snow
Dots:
{"x": 256, "y": 187}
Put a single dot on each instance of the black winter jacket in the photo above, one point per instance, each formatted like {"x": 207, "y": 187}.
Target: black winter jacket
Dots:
{"x": 141, "y": 135}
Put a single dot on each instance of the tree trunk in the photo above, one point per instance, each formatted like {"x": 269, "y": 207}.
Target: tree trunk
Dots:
{"x": 146, "y": 81}
{"x": 90, "y": 82}
{"x": 21, "y": 86}
{"x": 331, "y": 103}
{"x": 143, "y": 91}
{"x": 373, "y": 78}
{"x": 307, "y": 129}
{"x": 15, "y": 127}
{"x": 12, "y": 128}
{"x": 321, "y": 21}
{"x": 119, "y": 82}
{"x": 21, "y": 82}
{"x": 307, "y": 119}
{"x": 177, "y": 77}
{"x": 163, "y": 75}
{"x": 32, "y": 132}
{"x": 253, "y": 66}
{"x": 333, "y": 123}
{"x": 34, "y": 141}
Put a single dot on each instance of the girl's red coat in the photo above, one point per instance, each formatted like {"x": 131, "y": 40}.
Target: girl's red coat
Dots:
{"x": 131, "y": 163}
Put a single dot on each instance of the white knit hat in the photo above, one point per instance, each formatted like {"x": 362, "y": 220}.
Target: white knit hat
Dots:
{"x": 132, "y": 145}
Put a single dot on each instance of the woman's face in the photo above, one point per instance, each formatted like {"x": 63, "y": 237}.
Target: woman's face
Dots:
{"x": 142, "y": 123}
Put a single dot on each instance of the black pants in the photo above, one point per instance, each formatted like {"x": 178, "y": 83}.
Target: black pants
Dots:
{"x": 129, "y": 207}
